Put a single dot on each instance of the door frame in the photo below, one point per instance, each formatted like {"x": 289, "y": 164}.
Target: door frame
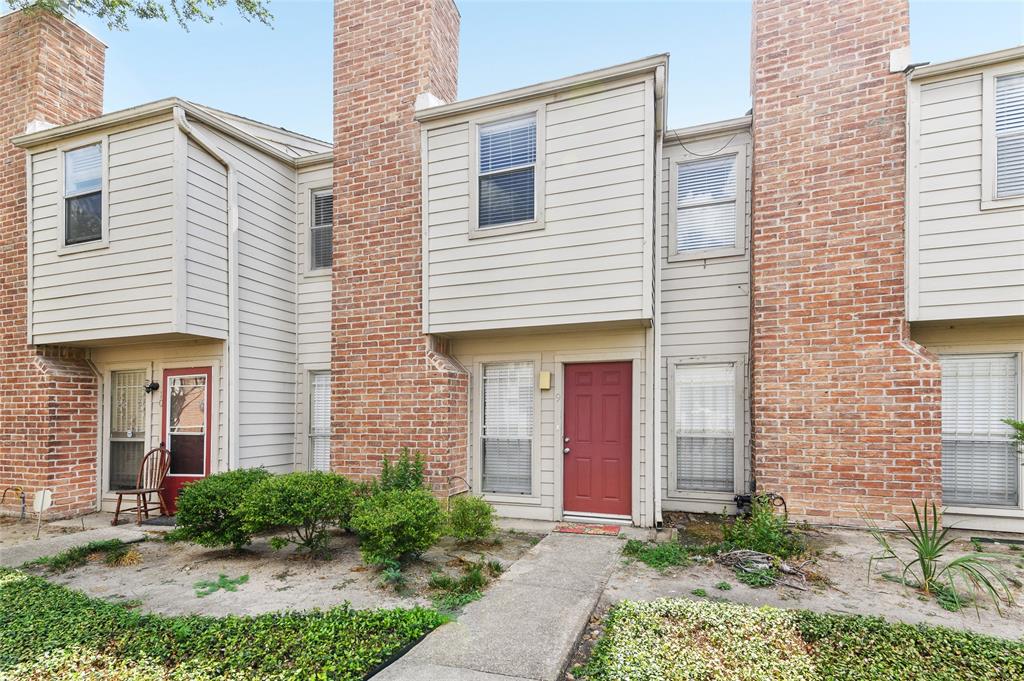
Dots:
{"x": 635, "y": 357}
{"x": 207, "y": 371}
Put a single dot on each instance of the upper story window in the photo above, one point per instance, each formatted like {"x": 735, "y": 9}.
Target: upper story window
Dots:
{"x": 321, "y": 246}
{"x": 708, "y": 215}
{"x": 507, "y": 168}
{"x": 83, "y": 195}
{"x": 1009, "y": 133}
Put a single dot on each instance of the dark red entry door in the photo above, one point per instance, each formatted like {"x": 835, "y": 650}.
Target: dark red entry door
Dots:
{"x": 597, "y": 474}
{"x": 186, "y": 427}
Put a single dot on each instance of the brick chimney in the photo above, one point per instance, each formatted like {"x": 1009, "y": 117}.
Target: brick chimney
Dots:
{"x": 846, "y": 410}
{"x": 392, "y": 385}
{"x": 52, "y": 74}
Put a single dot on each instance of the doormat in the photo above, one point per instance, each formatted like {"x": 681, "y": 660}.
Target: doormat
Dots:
{"x": 161, "y": 520}
{"x": 583, "y": 528}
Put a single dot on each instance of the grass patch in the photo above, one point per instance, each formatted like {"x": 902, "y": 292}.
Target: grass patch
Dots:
{"x": 51, "y": 632}
{"x": 659, "y": 556}
{"x": 723, "y": 586}
{"x": 110, "y": 550}
{"x": 677, "y": 639}
{"x": 206, "y": 587}
{"x": 453, "y": 593}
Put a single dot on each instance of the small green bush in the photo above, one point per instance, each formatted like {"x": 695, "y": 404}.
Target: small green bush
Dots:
{"x": 470, "y": 519}
{"x": 52, "y": 633}
{"x": 308, "y": 504}
{"x": 762, "y": 531}
{"x": 659, "y": 556}
{"x": 396, "y": 524}
{"x": 407, "y": 472}
{"x": 208, "y": 510}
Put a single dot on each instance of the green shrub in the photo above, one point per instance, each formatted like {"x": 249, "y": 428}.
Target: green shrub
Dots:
{"x": 470, "y": 518}
{"x": 762, "y": 531}
{"x": 208, "y": 510}
{"x": 407, "y": 472}
{"x": 51, "y": 632}
{"x": 659, "y": 556}
{"x": 308, "y": 504}
{"x": 396, "y": 524}
{"x": 77, "y": 556}
{"x": 677, "y": 639}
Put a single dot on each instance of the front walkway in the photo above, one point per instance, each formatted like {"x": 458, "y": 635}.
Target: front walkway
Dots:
{"x": 526, "y": 626}
{"x": 14, "y": 555}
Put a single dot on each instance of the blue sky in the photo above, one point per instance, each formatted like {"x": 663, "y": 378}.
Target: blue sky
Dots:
{"x": 283, "y": 75}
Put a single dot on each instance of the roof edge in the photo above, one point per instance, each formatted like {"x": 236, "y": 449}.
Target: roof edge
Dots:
{"x": 713, "y": 128}
{"x": 647, "y": 64}
{"x": 972, "y": 62}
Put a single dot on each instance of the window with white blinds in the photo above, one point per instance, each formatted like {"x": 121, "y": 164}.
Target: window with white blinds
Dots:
{"x": 507, "y": 428}
{"x": 1009, "y": 135}
{"x": 320, "y": 243}
{"x": 706, "y": 204}
{"x": 83, "y": 195}
{"x": 320, "y": 421}
{"x": 508, "y": 159}
{"x": 980, "y": 464}
{"x": 705, "y": 427}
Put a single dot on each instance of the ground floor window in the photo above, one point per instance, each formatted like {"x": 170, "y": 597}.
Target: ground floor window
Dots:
{"x": 980, "y": 464}
{"x": 127, "y": 427}
{"x": 507, "y": 428}
{"x": 705, "y": 426}
{"x": 320, "y": 421}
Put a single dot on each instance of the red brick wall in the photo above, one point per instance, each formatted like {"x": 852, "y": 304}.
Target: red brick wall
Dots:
{"x": 391, "y": 387}
{"x": 845, "y": 406}
{"x": 51, "y": 70}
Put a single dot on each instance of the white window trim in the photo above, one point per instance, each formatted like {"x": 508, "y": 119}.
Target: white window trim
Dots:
{"x": 989, "y": 201}
{"x": 993, "y": 351}
{"x": 64, "y": 248}
{"x": 307, "y": 257}
{"x": 679, "y": 157}
{"x": 475, "y": 231}
{"x": 739, "y": 433}
{"x": 476, "y": 397}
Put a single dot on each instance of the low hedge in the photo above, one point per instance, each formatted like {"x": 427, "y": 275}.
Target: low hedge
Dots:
{"x": 677, "y": 639}
{"x": 208, "y": 509}
{"x": 394, "y": 525}
{"x": 51, "y": 632}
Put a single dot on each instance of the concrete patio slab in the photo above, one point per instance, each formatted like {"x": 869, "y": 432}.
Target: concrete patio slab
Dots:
{"x": 527, "y": 624}
{"x": 22, "y": 552}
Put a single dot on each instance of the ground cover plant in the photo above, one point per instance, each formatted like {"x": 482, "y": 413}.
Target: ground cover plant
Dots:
{"x": 209, "y": 509}
{"x": 977, "y": 573}
{"x": 114, "y": 552}
{"x": 659, "y": 556}
{"x": 50, "y": 632}
{"x": 677, "y": 639}
{"x": 205, "y": 587}
{"x": 452, "y": 593}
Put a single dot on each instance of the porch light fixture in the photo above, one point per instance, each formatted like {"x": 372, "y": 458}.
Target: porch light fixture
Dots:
{"x": 151, "y": 387}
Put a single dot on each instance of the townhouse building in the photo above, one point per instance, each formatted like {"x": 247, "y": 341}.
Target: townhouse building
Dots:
{"x": 570, "y": 308}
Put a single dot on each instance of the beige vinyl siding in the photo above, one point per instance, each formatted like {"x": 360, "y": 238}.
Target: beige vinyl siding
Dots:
{"x": 964, "y": 262}
{"x": 206, "y": 257}
{"x": 266, "y": 299}
{"x": 705, "y": 306}
{"x": 127, "y": 288}
{"x": 550, "y": 352}
{"x": 314, "y": 305}
{"x": 587, "y": 263}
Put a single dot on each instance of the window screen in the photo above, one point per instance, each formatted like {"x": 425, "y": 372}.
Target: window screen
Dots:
{"x": 508, "y": 157}
{"x": 1010, "y": 135}
{"x": 507, "y": 427}
{"x": 705, "y": 423}
{"x": 706, "y": 204}
{"x": 83, "y": 195}
{"x": 320, "y": 246}
{"x": 320, "y": 421}
{"x": 980, "y": 465}
{"x": 127, "y": 427}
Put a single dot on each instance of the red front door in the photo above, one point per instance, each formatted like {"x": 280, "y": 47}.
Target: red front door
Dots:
{"x": 598, "y": 434}
{"x": 186, "y": 427}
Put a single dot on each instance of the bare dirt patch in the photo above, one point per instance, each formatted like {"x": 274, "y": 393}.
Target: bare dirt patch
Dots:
{"x": 165, "y": 580}
{"x": 841, "y": 558}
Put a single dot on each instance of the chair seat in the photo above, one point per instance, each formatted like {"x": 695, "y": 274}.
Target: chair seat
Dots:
{"x": 140, "y": 490}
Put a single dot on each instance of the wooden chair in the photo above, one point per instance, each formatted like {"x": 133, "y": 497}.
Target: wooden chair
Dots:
{"x": 152, "y": 472}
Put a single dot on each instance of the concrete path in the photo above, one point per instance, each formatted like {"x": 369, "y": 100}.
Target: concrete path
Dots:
{"x": 526, "y": 625}
{"x": 14, "y": 555}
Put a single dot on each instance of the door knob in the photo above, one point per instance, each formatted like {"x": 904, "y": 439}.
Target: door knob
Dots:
{"x": 566, "y": 438}
{"x": 565, "y": 451}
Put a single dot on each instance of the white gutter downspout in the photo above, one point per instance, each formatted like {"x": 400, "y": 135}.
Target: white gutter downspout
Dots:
{"x": 660, "y": 79}
{"x": 231, "y": 347}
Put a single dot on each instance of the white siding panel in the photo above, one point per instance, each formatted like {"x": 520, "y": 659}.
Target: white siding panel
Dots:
{"x": 206, "y": 238}
{"x": 968, "y": 262}
{"x": 586, "y": 264}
